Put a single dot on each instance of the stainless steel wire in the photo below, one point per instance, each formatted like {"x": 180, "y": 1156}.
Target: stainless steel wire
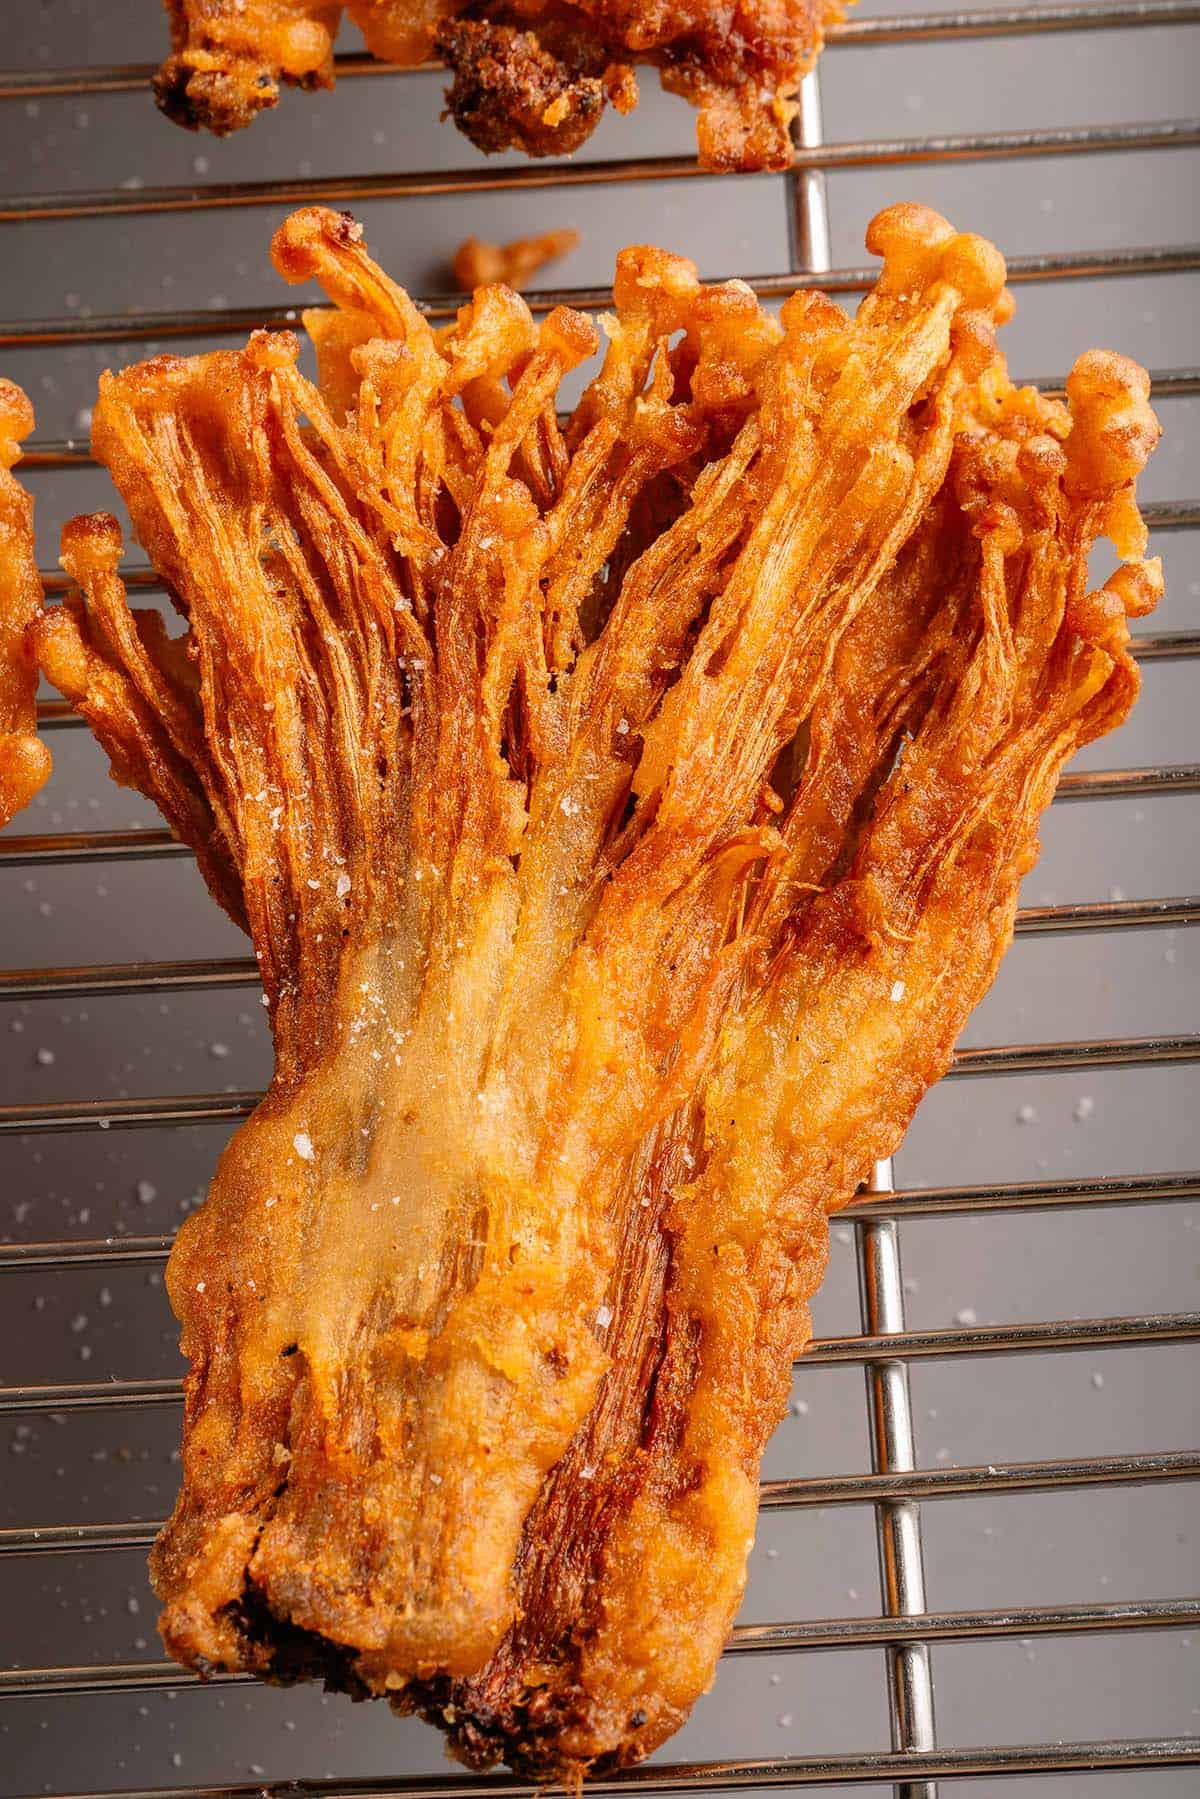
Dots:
{"x": 982, "y": 22}
{"x": 154, "y": 1111}
{"x": 885, "y": 1346}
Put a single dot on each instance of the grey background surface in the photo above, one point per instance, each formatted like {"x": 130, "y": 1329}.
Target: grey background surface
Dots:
{"x": 1134, "y": 1543}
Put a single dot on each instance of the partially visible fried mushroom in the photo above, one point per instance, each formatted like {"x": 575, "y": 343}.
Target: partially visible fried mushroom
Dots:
{"x": 533, "y": 75}
{"x": 24, "y": 758}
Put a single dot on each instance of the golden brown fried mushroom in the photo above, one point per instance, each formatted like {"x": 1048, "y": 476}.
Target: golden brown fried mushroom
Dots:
{"x": 24, "y": 758}
{"x": 627, "y": 814}
{"x": 533, "y": 75}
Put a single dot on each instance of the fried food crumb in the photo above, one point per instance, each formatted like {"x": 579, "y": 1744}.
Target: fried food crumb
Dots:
{"x": 478, "y": 264}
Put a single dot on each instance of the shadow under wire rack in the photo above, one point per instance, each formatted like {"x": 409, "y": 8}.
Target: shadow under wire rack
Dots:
{"x": 885, "y": 1346}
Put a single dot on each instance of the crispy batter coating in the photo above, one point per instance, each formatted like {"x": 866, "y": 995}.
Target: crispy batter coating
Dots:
{"x": 533, "y": 75}
{"x": 24, "y": 758}
{"x": 479, "y": 264}
{"x": 627, "y": 815}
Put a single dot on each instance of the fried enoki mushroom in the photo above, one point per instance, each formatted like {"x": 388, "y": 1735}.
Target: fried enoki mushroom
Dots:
{"x": 24, "y": 758}
{"x": 533, "y": 75}
{"x": 479, "y": 264}
{"x": 627, "y": 814}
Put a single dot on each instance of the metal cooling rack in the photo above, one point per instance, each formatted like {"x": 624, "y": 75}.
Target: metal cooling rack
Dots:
{"x": 904, "y": 1628}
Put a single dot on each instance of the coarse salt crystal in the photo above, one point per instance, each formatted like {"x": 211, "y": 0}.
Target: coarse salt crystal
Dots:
{"x": 200, "y": 1286}
{"x": 604, "y": 1317}
{"x": 302, "y": 1144}
{"x": 343, "y": 886}
{"x": 897, "y": 992}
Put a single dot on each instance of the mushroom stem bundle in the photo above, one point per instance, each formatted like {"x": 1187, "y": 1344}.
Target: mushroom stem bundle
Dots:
{"x": 627, "y": 812}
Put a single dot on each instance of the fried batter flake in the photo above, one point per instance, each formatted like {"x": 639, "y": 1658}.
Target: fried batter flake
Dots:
{"x": 627, "y": 814}
{"x": 478, "y": 264}
{"x": 533, "y": 75}
{"x": 24, "y": 758}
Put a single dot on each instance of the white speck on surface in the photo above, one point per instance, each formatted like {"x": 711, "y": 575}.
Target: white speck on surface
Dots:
{"x": 799, "y": 1408}
{"x": 45, "y": 1058}
{"x": 1116, "y": 893}
{"x": 966, "y": 1316}
{"x": 342, "y": 886}
{"x": 1084, "y": 1107}
{"x": 219, "y": 1050}
{"x": 1097, "y": 1379}
{"x": 897, "y": 992}
{"x": 302, "y": 1144}
{"x": 1026, "y": 1114}
{"x": 146, "y": 1192}
{"x": 200, "y": 1286}
{"x": 604, "y": 1318}
{"x": 568, "y": 805}
{"x": 785, "y": 1720}
{"x": 622, "y": 727}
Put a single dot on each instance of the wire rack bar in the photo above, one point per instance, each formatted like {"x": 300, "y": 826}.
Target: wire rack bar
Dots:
{"x": 32, "y": 849}
{"x": 819, "y": 1634}
{"x": 59, "y": 453}
{"x": 1043, "y": 1058}
{"x": 995, "y": 1477}
{"x": 877, "y": 1349}
{"x": 910, "y": 1202}
{"x": 1108, "y": 1754}
{"x": 983, "y": 22}
{"x": 1159, "y": 515}
{"x": 1028, "y": 1196}
{"x": 981, "y": 146}
{"x": 1129, "y": 783}
{"x": 823, "y": 1490}
{"x": 893, "y": 1450}
{"x": 1154, "y": 259}
{"x": 214, "y": 974}
{"x": 220, "y": 1108}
